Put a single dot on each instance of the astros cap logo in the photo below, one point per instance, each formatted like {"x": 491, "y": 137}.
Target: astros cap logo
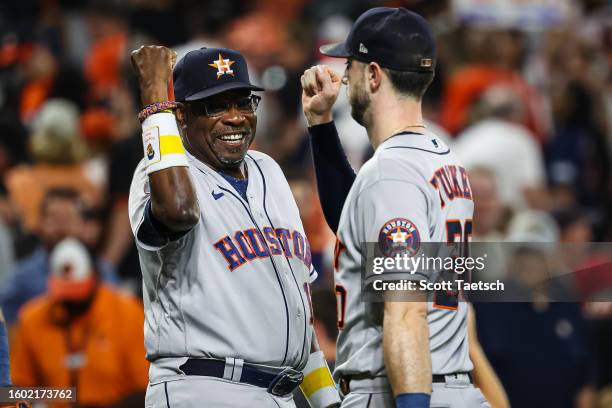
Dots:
{"x": 223, "y": 66}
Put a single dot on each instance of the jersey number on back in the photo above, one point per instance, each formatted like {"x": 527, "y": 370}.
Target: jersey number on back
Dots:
{"x": 455, "y": 232}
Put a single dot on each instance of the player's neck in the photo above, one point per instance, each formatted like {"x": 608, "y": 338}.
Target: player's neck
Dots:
{"x": 393, "y": 116}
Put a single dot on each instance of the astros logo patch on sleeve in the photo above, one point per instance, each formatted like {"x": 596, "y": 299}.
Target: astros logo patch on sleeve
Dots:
{"x": 399, "y": 236}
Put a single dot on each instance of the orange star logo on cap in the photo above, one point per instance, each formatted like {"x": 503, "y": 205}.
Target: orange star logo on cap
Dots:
{"x": 223, "y": 66}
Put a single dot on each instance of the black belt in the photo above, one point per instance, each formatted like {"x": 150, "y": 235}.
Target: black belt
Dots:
{"x": 441, "y": 378}
{"x": 345, "y": 381}
{"x": 281, "y": 383}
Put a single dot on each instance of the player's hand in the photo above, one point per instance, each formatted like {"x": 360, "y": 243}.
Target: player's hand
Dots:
{"x": 153, "y": 65}
{"x": 320, "y": 88}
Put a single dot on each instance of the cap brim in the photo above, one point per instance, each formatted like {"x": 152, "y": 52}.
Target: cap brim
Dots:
{"x": 338, "y": 50}
{"x": 222, "y": 88}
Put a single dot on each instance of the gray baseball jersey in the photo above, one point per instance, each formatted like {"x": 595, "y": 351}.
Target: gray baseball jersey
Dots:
{"x": 237, "y": 284}
{"x": 412, "y": 190}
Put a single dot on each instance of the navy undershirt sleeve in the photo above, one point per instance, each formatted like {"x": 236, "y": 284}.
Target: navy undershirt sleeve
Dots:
{"x": 335, "y": 175}
{"x": 154, "y": 233}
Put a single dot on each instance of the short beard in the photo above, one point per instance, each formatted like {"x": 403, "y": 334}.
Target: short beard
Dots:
{"x": 231, "y": 164}
{"x": 360, "y": 101}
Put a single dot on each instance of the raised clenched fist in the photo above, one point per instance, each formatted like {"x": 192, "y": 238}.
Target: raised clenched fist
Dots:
{"x": 153, "y": 65}
{"x": 320, "y": 88}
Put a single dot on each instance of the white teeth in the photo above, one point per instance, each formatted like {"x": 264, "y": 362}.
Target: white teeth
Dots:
{"x": 230, "y": 138}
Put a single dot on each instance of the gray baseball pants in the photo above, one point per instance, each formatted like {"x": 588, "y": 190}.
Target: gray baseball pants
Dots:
{"x": 200, "y": 391}
{"x": 457, "y": 392}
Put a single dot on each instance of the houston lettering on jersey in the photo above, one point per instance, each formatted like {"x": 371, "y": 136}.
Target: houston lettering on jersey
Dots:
{"x": 245, "y": 246}
{"x": 451, "y": 180}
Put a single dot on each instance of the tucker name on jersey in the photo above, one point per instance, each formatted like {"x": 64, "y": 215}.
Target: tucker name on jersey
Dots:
{"x": 447, "y": 179}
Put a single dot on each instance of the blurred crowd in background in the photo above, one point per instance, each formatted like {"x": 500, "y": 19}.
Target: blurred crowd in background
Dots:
{"x": 523, "y": 93}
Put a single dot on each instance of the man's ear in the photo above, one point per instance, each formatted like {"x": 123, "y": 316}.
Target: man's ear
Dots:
{"x": 181, "y": 115}
{"x": 374, "y": 76}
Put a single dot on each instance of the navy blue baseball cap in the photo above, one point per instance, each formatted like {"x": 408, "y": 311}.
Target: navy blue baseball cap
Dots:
{"x": 395, "y": 38}
{"x": 209, "y": 71}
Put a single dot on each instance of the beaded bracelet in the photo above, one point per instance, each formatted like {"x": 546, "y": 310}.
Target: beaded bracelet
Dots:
{"x": 155, "y": 107}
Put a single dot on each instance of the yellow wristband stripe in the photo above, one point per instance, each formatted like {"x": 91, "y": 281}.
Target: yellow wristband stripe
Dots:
{"x": 317, "y": 379}
{"x": 171, "y": 144}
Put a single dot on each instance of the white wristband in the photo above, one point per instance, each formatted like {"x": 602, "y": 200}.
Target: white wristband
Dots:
{"x": 163, "y": 147}
{"x": 318, "y": 386}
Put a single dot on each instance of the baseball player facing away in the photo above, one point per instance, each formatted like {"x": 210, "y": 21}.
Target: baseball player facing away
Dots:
{"x": 225, "y": 261}
{"x": 413, "y": 190}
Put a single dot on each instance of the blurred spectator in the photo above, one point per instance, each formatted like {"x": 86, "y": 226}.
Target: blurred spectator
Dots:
{"x": 108, "y": 34}
{"x": 579, "y": 155}
{"x": 489, "y": 213}
{"x": 259, "y": 36}
{"x": 38, "y": 72}
{"x": 285, "y": 141}
{"x": 5, "y": 373}
{"x": 532, "y": 226}
{"x": 539, "y": 351}
{"x": 82, "y": 334}
{"x": 58, "y": 153}
{"x": 498, "y": 141}
{"x": 586, "y": 266}
{"x": 489, "y": 220}
{"x": 534, "y": 343}
{"x": 574, "y": 225}
{"x": 206, "y": 22}
{"x": 62, "y": 215}
{"x": 118, "y": 246}
{"x": 494, "y": 58}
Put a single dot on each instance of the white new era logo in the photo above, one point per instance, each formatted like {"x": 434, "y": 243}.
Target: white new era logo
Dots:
{"x": 362, "y": 48}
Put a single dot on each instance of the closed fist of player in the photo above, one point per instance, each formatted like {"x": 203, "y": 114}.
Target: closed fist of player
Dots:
{"x": 320, "y": 88}
{"x": 153, "y": 64}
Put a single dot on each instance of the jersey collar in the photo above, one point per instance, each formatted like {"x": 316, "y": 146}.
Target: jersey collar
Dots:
{"x": 222, "y": 181}
{"x": 425, "y": 141}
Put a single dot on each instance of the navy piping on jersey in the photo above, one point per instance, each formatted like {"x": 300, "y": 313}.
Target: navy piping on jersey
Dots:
{"x": 244, "y": 205}
{"x": 263, "y": 178}
{"x": 414, "y": 148}
{"x": 275, "y": 271}
{"x": 369, "y": 401}
{"x": 166, "y": 392}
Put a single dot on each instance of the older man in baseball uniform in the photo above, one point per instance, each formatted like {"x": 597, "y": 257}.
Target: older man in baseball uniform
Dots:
{"x": 226, "y": 264}
{"x": 413, "y": 191}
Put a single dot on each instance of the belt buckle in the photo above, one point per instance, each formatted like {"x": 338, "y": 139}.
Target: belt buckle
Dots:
{"x": 285, "y": 382}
